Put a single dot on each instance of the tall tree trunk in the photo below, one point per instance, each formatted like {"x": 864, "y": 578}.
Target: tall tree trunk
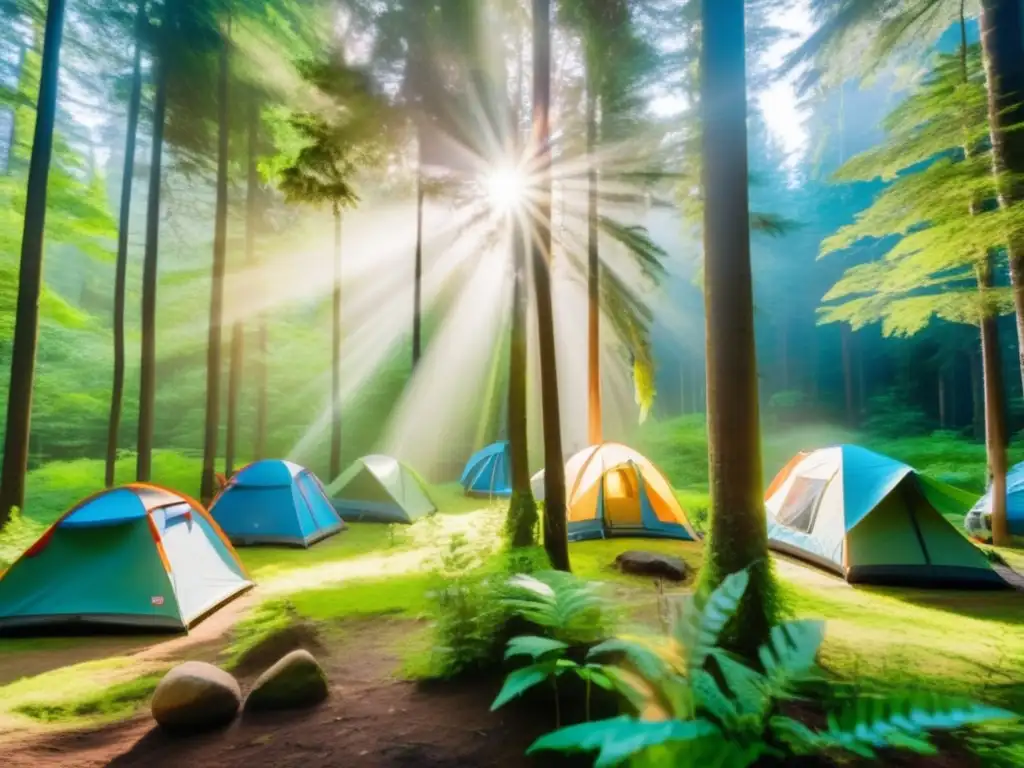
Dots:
{"x": 594, "y": 420}
{"x": 30, "y": 274}
{"x": 336, "y": 351}
{"x": 995, "y": 409}
{"x": 121, "y": 268}
{"x": 862, "y": 387}
{"x": 684, "y": 387}
{"x": 147, "y": 367}
{"x": 237, "y": 362}
{"x": 522, "y": 513}
{"x": 1002, "y": 41}
{"x": 1001, "y": 32}
{"x": 847, "y": 353}
{"x": 738, "y": 528}
{"x": 211, "y": 429}
{"x": 555, "y": 527}
{"x": 417, "y": 285}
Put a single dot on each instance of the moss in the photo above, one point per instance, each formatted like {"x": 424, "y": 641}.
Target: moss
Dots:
{"x": 295, "y": 681}
{"x": 521, "y": 525}
{"x": 272, "y": 630}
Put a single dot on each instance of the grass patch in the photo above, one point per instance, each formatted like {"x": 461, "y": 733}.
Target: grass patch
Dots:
{"x": 596, "y": 559}
{"x": 405, "y": 595}
{"x": 93, "y": 687}
{"x": 358, "y": 539}
{"x": 962, "y": 643}
{"x": 117, "y": 701}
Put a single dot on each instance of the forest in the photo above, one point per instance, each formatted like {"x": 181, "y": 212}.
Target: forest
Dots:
{"x": 598, "y": 382}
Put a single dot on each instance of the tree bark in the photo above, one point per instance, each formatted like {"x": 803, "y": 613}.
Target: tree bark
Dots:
{"x": 211, "y": 429}
{"x": 995, "y": 409}
{"x": 1002, "y": 32}
{"x": 336, "y": 351}
{"x": 30, "y": 274}
{"x": 738, "y": 529}
{"x": 121, "y": 267}
{"x": 555, "y": 527}
{"x": 593, "y": 269}
{"x": 417, "y": 285}
{"x": 147, "y": 367}
{"x": 784, "y": 344}
{"x": 237, "y": 361}
{"x": 522, "y": 513}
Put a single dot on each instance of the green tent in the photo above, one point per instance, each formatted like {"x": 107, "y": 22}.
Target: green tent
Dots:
{"x": 380, "y": 489}
{"x": 872, "y": 519}
{"x": 138, "y": 556}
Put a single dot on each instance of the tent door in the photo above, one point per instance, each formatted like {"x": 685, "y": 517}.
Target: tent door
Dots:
{"x": 621, "y": 498}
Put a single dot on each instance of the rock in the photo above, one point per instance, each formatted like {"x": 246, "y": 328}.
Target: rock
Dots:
{"x": 652, "y": 564}
{"x": 294, "y": 681}
{"x": 196, "y": 696}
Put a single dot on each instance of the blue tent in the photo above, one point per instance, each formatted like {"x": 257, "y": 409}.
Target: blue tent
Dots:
{"x": 979, "y": 519}
{"x": 275, "y": 502}
{"x": 872, "y": 520}
{"x": 489, "y": 472}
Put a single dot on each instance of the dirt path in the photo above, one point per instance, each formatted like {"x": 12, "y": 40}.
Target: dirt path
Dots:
{"x": 370, "y": 720}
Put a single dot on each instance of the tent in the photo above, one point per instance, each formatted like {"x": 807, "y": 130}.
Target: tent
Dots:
{"x": 613, "y": 490}
{"x": 380, "y": 489}
{"x": 275, "y": 502}
{"x": 489, "y": 472}
{"x": 872, "y": 519}
{"x": 138, "y": 556}
{"x": 979, "y": 520}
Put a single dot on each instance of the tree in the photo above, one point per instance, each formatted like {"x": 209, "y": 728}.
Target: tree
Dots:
{"x": 211, "y": 428}
{"x": 30, "y": 275}
{"x": 949, "y": 228}
{"x": 904, "y": 27}
{"x": 555, "y": 526}
{"x": 121, "y": 269}
{"x": 147, "y": 368}
{"x": 329, "y": 147}
{"x": 738, "y": 538}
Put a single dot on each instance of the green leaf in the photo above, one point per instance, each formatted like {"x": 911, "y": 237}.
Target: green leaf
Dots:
{"x": 699, "y": 631}
{"x": 750, "y": 690}
{"x": 533, "y": 646}
{"x": 712, "y": 700}
{"x": 619, "y": 738}
{"x": 520, "y": 681}
{"x": 902, "y": 721}
{"x": 791, "y": 650}
{"x": 643, "y": 657}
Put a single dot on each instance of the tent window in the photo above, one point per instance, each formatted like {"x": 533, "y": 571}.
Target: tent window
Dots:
{"x": 800, "y": 507}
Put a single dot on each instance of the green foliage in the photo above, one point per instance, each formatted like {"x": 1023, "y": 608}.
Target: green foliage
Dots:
{"x": 945, "y": 230}
{"x": 17, "y": 536}
{"x": 118, "y": 701}
{"x": 571, "y": 610}
{"x": 893, "y": 415}
{"x": 694, "y": 702}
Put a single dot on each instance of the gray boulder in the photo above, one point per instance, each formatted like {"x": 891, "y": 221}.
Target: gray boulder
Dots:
{"x": 295, "y": 681}
{"x": 652, "y": 564}
{"x": 196, "y": 696}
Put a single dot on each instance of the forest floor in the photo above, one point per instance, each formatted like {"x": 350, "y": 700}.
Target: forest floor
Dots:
{"x": 81, "y": 702}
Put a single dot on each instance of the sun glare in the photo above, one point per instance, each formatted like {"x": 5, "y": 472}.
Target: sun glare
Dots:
{"x": 506, "y": 187}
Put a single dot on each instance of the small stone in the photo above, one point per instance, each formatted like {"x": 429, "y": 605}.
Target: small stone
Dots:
{"x": 295, "y": 681}
{"x": 194, "y": 697}
{"x": 652, "y": 564}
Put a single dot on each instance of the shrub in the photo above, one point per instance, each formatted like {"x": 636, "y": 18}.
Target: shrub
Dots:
{"x": 696, "y": 704}
{"x": 17, "y": 536}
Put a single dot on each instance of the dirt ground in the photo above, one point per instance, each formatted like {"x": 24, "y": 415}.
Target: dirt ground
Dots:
{"x": 371, "y": 719}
